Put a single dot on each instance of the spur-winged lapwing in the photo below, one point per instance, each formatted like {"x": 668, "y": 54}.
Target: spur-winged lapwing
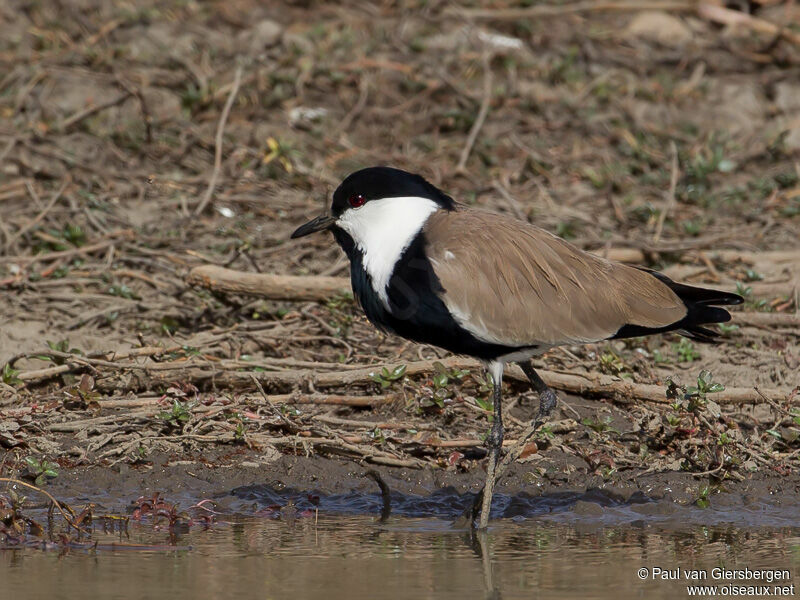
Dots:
{"x": 493, "y": 287}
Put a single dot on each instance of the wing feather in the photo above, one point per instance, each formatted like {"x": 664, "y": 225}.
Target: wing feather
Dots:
{"x": 512, "y": 283}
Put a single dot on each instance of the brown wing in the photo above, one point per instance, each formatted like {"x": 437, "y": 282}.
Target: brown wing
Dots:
{"x": 512, "y": 283}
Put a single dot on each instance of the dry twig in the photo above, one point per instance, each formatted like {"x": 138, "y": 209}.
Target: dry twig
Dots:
{"x": 482, "y": 112}
{"x": 212, "y": 184}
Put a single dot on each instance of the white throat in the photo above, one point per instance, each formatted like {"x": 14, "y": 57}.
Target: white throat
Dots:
{"x": 382, "y": 229}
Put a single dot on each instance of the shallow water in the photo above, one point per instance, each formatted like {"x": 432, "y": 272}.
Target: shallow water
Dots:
{"x": 566, "y": 546}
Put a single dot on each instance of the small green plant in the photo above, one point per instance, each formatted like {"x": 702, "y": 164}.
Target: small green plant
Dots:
{"x": 377, "y": 436}
{"x": 193, "y": 98}
{"x": 74, "y": 235}
{"x": 339, "y": 301}
{"x": 659, "y": 358}
{"x": 703, "y": 164}
{"x": 566, "y": 230}
{"x": 686, "y": 350}
{"x": 279, "y": 151}
{"x": 440, "y": 390}
{"x": 59, "y": 240}
{"x": 693, "y": 227}
{"x": 342, "y": 319}
{"x": 442, "y": 375}
{"x": 485, "y": 403}
{"x": 750, "y": 301}
{"x": 545, "y": 432}
{"x": 726, "y": 329}
{"x": 703, "y": 497}
{"x": 705, "y": 385}
{"x": 792, "y": 209}
{"x": 599, "y": 425}
{"x": 10, "y": 375}
{"x": 169, "y": 325}
{"x": 386, "y": 377}
{"x": 123, "y": 291}
{"x": 694, "y": 398}
{"x": 612, "y": 364}
{"x": 751, "y": 275}
{"x": 60, "y": 346}
{"x": 485, "y": 391}
{"x": 41, "y": 470}
{"x": 178, "y": 414}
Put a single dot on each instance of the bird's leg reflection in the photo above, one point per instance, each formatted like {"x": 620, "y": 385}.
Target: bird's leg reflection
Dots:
{"x": 478, "y": 541}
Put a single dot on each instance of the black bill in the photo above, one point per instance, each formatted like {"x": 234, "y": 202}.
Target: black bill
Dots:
{"x": 314, "y": 225}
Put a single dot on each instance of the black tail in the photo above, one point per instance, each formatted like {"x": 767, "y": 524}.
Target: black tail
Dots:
{"x": 702, "y": 306}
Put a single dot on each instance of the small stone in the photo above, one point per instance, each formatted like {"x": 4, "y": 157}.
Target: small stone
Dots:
{"x": 792, "y": 139}
{"x": 660, "y": 27}
{"x": 265, "y": 34}
{"x": 303, "y": 116}
{"x": 787, "y": 97}
{"x": 740, "y": 107}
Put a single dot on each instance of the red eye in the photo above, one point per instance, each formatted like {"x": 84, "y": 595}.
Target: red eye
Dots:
{"x": 357, "y": 200}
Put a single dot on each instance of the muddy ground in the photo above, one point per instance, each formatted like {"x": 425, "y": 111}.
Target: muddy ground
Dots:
{"x": 140, "y": 141}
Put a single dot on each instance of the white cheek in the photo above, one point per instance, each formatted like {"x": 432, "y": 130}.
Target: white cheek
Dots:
{"x": 382, "y": 229}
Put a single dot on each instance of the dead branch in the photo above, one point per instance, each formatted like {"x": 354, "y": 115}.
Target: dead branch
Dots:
{"x": 573, "y": 8}
{"x": 76, "y": 118}
{"x": 49, "y": 497}
{"x": 273, "y": 287}
{"x": 483, "y": 111}
{"x": 110, "y": 239}
{"x": 42, "y": 214}
{"x": 766, "y": 319}
{"x": 670, "y": 202}
{"x": 76, "y": 362}
{"x": 289, "y": 287}
{"x": 212, "y": 184}
{"x": 591, "y": 384}
{"x": 322, "y": 399}
{"x": 726, "y": 16}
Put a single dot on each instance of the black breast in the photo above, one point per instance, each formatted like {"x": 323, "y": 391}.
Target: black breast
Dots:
{"x": 416, "y": 311}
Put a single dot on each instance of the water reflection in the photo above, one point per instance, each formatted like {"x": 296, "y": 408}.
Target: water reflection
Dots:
{"x": 566, "y": 551}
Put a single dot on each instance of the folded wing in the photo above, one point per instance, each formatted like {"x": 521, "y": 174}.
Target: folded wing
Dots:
{"x": 511, "y": 283}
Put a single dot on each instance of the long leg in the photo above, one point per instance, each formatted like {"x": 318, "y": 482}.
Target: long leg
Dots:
{"x": 495, "y": 443}
{"x": 547, "y": 397}
{"x": 547, "y": 401}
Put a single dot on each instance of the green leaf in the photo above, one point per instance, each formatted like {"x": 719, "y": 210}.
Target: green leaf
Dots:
{"x": 10, "y": 375}
{"x": 33, "y": 463}
{"x": 50, "y": 473}
{"x": 40, "y": 480}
